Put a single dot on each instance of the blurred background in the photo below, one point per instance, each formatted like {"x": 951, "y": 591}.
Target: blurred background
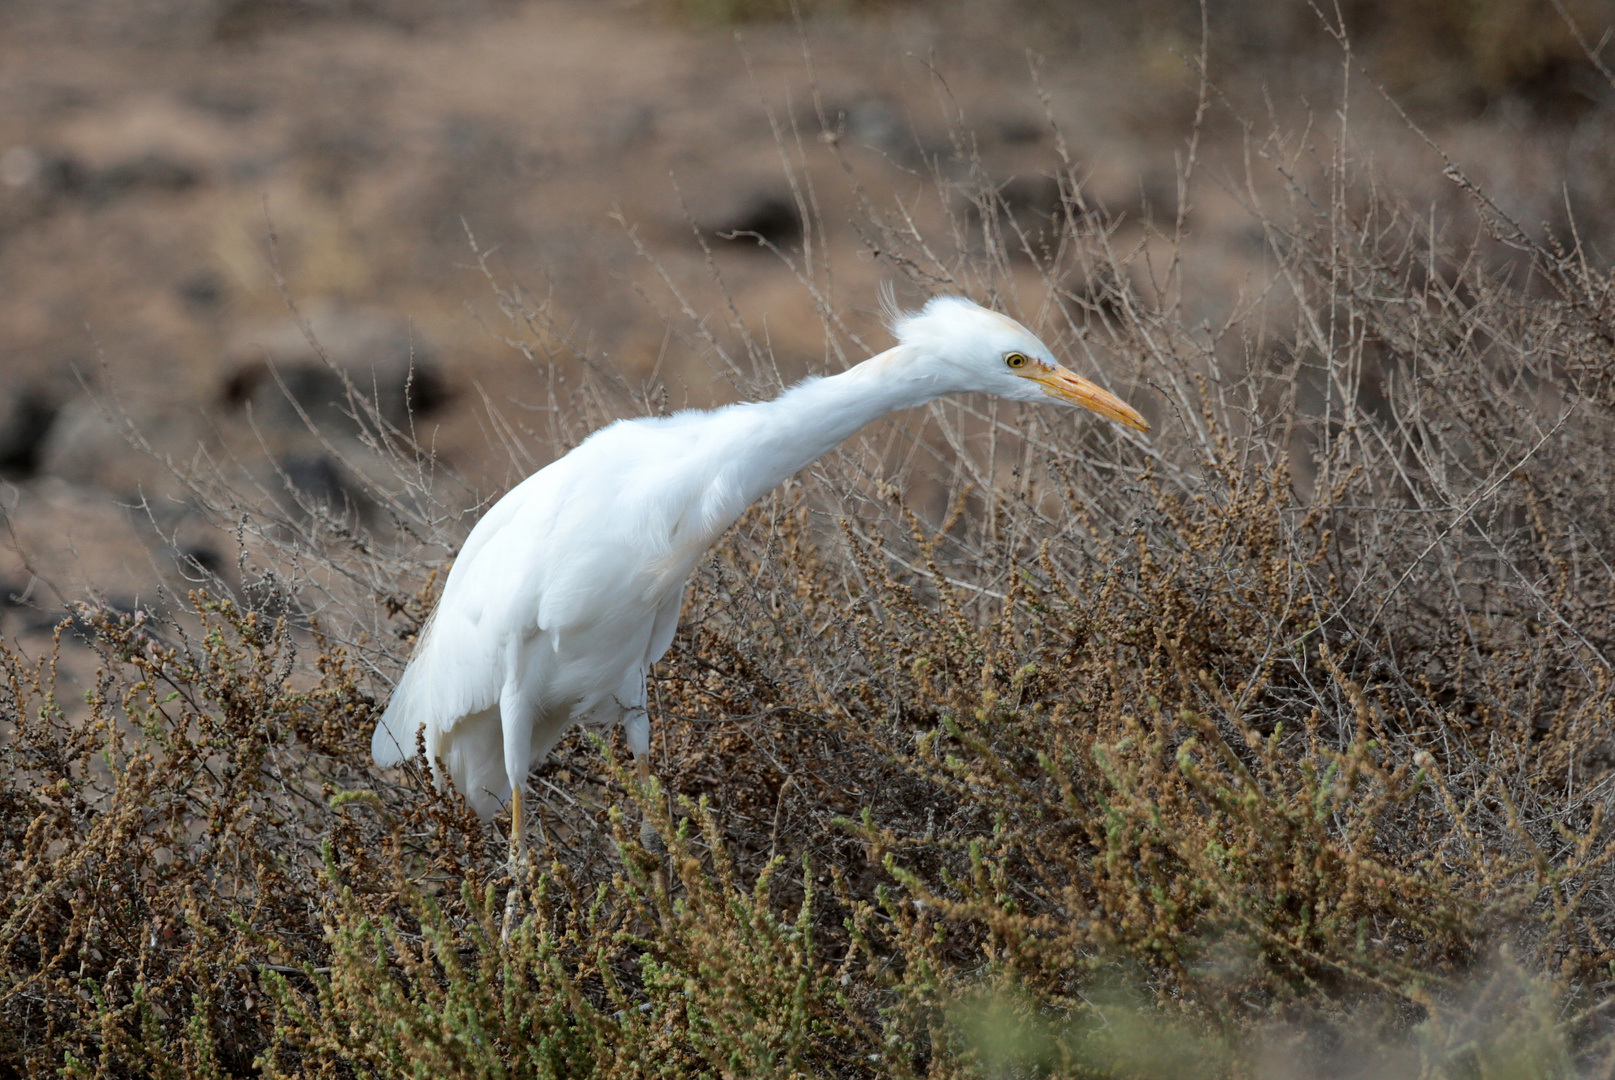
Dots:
{"x": 177, "y": 176}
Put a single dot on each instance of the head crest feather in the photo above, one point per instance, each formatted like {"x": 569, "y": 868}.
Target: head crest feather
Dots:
{"x": 942, "y": 317}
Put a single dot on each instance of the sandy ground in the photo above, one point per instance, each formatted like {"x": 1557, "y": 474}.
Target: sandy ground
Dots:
{"x": 170, "y": 175}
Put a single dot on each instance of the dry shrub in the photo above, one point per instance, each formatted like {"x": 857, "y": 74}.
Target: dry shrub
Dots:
{"x": 1024, "y": 747}
{"x": 1444, "y": 56}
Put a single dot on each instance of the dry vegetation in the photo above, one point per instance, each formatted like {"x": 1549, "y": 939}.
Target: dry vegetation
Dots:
{"x": 1277, "y": 743}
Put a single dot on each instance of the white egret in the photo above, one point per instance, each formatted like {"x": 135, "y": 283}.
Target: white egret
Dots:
{"x": 569, "y": 588}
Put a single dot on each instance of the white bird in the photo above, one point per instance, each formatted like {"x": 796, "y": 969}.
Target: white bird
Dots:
{"x": 570, "y": 587}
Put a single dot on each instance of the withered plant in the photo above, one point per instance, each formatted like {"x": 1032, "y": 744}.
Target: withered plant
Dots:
{"x": 991, "y": 745}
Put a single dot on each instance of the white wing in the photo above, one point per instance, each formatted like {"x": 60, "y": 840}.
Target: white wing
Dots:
{"x": 589, "y": 553}
{"x": 457, "y": 668}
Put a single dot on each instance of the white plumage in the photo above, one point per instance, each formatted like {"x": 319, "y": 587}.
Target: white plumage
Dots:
{"x": 569, "y": 588}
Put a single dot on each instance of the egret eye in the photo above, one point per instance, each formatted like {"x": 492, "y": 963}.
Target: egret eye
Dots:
{"x": 1015, "y": 360}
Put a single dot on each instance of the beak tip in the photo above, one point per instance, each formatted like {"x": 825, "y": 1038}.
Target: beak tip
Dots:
{"x": 1078, "y": 391}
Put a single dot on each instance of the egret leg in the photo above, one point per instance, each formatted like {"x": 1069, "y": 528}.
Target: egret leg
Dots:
{"x": 517, "y": 863}
{"x": 647, "y": 832}
{"x": 650, "y": 838}
{"x": 518, "y": 827}
{"x": 516, "y": 719}
{"x": 636, "y": 725}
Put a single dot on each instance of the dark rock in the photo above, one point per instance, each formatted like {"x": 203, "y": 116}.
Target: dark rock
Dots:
{"x": 26, "y": 414}
{"x": 198, "y": 547}
{"x": 232, "y": 103}
{"x": 62, "y": 175}
{"x": 36, "y": 621}
{"x": 43, "y": 173}
{"x": 316, "y": 478}
{"x": 1027, "y": 211}
{"x": 148, "y": 172}
{"x": 51, "y": 175}
{"x": 278, "y": 372}
{"x": 1021, "y": 130}
{"x": 90, "y": 446}
{"x": 316, "y": 483}
{"x": 244, "y": 20}
{"x": 13, "y": 592}
{"x": 758, "y": 217}
{"x": 333, "y": 153}
{"x": 202, "y": 292}
{"x": 203, "y": 557}
{"x": 1039, "y": 196}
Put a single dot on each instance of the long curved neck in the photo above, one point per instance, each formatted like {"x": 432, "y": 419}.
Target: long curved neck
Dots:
{"x": 814, "y": 417}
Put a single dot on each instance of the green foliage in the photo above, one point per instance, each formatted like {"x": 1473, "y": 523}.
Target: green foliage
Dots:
{"x": 623, "y": 980}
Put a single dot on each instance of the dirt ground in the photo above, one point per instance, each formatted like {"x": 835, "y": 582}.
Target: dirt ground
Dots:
{"x": 172, "y": 175}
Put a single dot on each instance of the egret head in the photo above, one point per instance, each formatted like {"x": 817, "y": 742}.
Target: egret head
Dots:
{"x": 973, "y": 349}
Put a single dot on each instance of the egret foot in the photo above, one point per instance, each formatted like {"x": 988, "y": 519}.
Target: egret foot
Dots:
{"x": 514, "y": 900}
{"x": 650, "y": 839}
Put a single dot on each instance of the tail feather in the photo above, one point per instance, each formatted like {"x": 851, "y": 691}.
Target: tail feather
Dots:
{"x": 394, "y": 739}
{"x": 471, "y": 747}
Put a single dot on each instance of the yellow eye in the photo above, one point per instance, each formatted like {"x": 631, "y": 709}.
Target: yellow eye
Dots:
{"x": 1016, "y": 360}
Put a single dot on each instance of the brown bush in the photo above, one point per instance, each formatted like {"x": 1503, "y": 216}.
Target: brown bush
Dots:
{"x": 1021, "y": 748}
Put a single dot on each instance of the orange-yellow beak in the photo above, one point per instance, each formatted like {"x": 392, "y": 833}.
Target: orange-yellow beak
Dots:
{"x": 1059, "y": 383}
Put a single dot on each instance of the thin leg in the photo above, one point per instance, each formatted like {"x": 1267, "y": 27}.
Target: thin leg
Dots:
{"x": 647, "y": 833}
{"x": 516, "y": 718}
{"x": 518, "y": 826}
{"x": 518, "y": 858}
{"x": 648, "y": 836}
